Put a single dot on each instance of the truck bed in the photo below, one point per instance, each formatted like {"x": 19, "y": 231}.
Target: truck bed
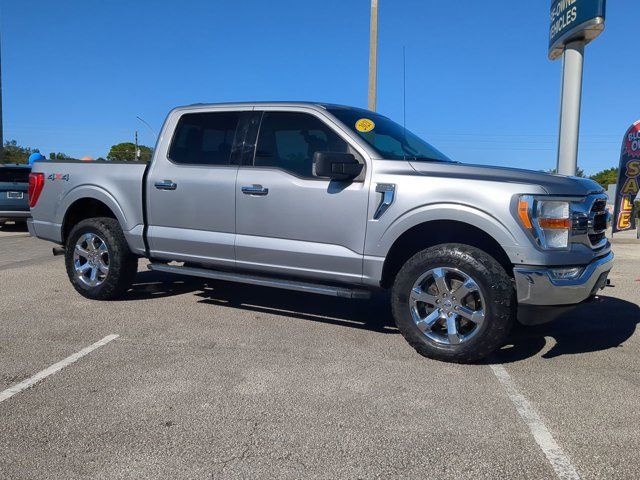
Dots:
{"x": 118, "y": 185}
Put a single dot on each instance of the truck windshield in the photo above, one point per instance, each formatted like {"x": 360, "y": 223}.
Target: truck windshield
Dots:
{"x": 390, "y": 140}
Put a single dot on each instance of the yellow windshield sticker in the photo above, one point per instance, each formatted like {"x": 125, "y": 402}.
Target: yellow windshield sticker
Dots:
{"x": 365, "y": 125}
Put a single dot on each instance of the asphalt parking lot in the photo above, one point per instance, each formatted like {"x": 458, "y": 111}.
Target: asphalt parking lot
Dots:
{"x": 214, "y": 380}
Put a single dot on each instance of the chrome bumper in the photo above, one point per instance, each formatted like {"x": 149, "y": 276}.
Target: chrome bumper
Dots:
{"x": 537, "y": 286}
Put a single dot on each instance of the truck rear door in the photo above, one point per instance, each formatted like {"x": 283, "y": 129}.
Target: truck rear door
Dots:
{"x": 191, "y": 189}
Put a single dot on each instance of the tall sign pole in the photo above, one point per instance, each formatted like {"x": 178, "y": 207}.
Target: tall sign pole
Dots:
{"x": 373, "y": 56}
{"x": 570, "y": 100}
{"x": 574, "y": 24}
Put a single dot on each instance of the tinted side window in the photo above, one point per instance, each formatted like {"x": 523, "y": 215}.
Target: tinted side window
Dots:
{"x": 289, "y": 140}
{"x": 204, "y": 138}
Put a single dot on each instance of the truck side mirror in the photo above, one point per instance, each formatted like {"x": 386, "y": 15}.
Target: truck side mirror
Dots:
{"x": 336, "y": 166}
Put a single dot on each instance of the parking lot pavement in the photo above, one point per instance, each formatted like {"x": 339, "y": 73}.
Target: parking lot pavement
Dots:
{"x": 12, "y": 229}
{"x": 213, "y": 380}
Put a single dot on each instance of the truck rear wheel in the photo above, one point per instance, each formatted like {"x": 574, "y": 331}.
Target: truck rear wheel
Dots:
{"x": 453, "y": 302}
{"x": 98, "y": 260}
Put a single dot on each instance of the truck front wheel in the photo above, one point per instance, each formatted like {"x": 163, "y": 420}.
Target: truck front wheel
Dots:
{"x": 98, "y": 260}
{"x": 453, "y": 302}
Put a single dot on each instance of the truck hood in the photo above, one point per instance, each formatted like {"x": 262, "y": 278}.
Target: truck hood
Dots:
{"x": 551, "y": 183}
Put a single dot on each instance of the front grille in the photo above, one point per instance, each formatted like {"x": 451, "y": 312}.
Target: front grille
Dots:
{"x": 598, "y": 227}
{"x": 599, "y": 206}
{"x": 600, "y": 222}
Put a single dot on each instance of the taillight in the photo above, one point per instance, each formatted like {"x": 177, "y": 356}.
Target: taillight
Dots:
{"x": 36, "y": 184}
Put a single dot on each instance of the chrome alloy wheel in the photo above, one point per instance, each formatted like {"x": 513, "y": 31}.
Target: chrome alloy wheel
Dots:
{"x": 91, "y": 260}
{"x": 447, "y": 305}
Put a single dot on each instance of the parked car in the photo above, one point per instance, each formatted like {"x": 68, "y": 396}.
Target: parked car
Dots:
{"x": 14, "y": 201}
{"x": 338, "y": 201}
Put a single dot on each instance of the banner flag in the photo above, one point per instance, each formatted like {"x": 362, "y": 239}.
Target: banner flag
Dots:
{"x": 628, "y": 180}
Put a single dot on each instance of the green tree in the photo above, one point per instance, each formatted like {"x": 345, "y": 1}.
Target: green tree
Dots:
{"x": 126, "y": 151}
{"x": 14, "y": 153}
{"x": 58, "y": 156}
{"x": 606, "y": 177}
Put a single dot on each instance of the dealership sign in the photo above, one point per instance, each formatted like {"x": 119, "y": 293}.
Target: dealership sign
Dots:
{"x": 628, "y": 180}
{"x": 574, "y": 20}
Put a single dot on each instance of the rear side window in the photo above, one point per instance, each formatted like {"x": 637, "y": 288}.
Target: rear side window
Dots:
{"x": 289, "y": 140}
{"x": 14, "y": 175}
{"x": 204, "y": 138}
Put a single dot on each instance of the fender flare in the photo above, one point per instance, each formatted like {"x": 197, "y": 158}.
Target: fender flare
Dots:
{"x": 93, "y": 192}
{"x": 462, "y": 213}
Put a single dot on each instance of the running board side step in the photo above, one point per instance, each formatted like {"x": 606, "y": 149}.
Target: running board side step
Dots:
{"x": 317, "y": 288}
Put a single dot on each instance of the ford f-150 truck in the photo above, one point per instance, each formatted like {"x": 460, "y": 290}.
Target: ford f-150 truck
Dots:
{"x": 333, "y": 200}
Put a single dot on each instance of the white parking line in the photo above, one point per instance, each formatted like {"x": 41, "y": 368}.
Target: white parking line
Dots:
{"x": 56, "y": 367}
{"x": 557, "y": 458}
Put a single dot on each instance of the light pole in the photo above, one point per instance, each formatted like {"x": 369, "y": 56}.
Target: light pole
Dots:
{"x": 373, "y": 55}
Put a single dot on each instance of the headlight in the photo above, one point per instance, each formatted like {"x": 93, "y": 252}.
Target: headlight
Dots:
{"x": 549, "y": 221}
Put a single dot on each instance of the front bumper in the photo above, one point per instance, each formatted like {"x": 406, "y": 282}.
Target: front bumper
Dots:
{"x": 541, "y": 297}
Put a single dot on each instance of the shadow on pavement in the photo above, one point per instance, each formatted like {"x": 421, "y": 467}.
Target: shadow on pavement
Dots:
{"x": 601, "y": 324}
{"x": 373, "y": 314}
{"x": 14, "y": 227}
{"x": 150, "y": 284}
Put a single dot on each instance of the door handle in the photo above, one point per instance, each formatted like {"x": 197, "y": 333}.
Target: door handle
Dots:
{"x": 166, "y": 185}
{"x": 255, "y": 190}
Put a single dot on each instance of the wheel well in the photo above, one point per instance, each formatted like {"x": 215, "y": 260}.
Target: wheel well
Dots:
{"x": 432, "y": 233}
{"x": 81, "y": 210}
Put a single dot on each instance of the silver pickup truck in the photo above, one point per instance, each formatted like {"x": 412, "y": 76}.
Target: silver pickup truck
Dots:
{"x": 339, "y": 201}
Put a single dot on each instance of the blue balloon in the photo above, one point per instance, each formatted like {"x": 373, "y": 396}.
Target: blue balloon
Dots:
{"x": 35, "y": 156}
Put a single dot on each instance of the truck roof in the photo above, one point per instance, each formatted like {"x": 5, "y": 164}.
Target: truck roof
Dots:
{"x": 323, "y": 105}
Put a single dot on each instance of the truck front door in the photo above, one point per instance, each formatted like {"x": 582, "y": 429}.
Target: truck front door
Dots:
{"x": 290, "y": 222}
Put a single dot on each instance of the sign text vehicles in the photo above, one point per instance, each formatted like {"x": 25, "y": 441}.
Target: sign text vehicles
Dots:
{"x": 574, "y": 20}
{"x": 628, "y": 180}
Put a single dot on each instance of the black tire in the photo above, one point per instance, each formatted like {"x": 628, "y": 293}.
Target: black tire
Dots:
{"x": 123, "y": 265}
{"x": 495, "y": 285}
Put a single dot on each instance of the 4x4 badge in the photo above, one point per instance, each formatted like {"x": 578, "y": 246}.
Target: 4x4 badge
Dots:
{"x": 58, "y": 176}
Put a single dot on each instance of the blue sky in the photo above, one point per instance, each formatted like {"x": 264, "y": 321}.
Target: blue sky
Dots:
{"x": 479, "y": 85}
